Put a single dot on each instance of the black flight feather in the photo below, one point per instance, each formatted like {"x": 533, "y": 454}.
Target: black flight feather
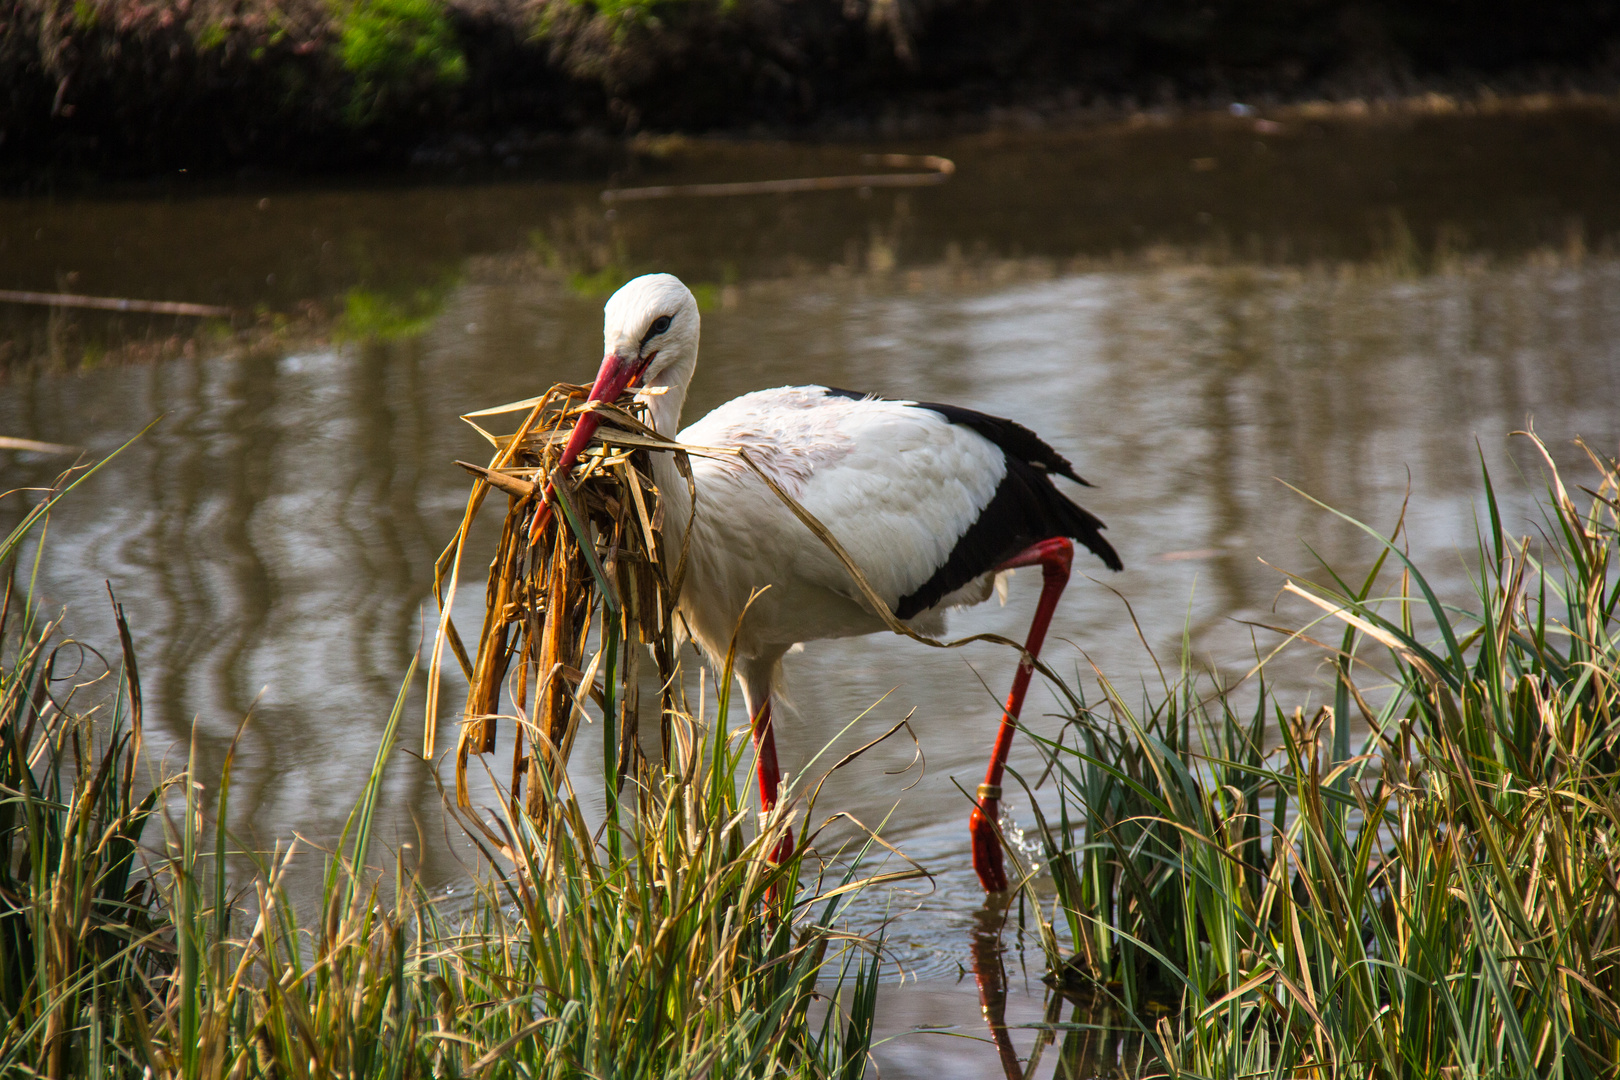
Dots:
{"x": 1025, "y": 509}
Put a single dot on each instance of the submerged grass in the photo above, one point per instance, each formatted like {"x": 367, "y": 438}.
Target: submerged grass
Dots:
{"x": 1443, "y": 902}
{"x": 674, "y": 951}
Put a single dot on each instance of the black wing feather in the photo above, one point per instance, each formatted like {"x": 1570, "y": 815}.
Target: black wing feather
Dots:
{"x": 1026, "y": 508}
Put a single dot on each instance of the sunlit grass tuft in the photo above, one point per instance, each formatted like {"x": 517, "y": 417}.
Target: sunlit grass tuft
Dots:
{"x": 676, "y": 951}
{"x": 1443, "y": 903}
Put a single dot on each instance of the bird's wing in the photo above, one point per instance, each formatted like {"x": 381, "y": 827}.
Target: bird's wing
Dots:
{"x": 911, "y": 487}
{"x": 898, "y": 485}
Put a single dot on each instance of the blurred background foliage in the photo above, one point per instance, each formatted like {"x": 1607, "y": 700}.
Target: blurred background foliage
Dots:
{"x": 390, "y": 44}
{"x": 130, "y": 86}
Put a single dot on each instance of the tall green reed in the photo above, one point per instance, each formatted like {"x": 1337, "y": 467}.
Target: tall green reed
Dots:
{"x": 684, "y": 935}
{"x": 1443, "y": 902}
{"x": 676, "y": 951}
{"x": 77, "y": 952}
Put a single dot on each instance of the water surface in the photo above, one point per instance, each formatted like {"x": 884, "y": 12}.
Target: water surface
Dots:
{"x": 1197, "y": 314}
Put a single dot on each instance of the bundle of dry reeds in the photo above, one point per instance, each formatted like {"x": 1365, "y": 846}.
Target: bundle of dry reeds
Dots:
{"x": 579, "y": 582}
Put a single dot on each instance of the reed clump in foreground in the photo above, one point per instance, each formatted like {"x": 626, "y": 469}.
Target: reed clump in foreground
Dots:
{"x": 1257, "y": 898}
{"x": 672, "y": 951}
{"x": 1442, "y": 902}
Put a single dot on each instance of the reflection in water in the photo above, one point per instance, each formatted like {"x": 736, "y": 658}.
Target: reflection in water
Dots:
{"x": 272, "y": 539}
{"x": 991, "y": 978}
{"x": 1408, "y": 194}
{"x": 1097, "y": 1041}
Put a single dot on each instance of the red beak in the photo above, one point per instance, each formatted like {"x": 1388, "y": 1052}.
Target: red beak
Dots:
{"x": 616, "y": 373}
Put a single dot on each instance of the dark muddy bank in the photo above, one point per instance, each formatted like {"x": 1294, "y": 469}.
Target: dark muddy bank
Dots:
{"x": 107, "y": 88}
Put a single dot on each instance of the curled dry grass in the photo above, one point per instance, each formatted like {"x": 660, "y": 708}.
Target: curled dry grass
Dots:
{"x": 585, "y": 565}
{"x": 1443, "y": 902}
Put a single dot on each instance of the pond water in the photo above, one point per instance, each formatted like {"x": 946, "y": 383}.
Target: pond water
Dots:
{"x": 1198, "y": 314}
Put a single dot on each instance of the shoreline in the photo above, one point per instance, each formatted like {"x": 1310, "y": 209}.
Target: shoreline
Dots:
{"x": 119, "y": 90}
{"x": 595, "y": 157}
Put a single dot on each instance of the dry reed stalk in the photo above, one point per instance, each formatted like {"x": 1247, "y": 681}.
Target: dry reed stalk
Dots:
{"x": 590, "y": 571}
{"x": 940, "y": 170}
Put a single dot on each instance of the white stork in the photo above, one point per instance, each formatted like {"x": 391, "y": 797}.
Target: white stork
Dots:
{"x": 930, "y": 501}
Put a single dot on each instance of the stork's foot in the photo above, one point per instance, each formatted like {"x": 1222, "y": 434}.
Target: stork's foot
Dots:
{"x": 987, "y": 860}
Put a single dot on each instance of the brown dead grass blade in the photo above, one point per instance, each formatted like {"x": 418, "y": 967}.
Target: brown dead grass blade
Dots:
{"x": 587, "y": 576}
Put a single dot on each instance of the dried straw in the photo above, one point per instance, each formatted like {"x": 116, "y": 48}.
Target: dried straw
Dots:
{"x": 591, "y": 568}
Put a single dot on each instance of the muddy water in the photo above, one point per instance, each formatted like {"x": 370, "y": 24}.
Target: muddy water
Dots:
{"x": 1196, "y": 314}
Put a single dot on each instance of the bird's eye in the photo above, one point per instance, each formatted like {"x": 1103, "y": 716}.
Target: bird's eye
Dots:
{"x": 659, "y": 325}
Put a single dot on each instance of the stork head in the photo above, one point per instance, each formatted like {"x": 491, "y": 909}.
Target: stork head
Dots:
{"x": 649, "y": 338}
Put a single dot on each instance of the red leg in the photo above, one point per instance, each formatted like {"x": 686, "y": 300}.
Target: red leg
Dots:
{"x": 770, "y": 777}
{"x": 1054, "y": 557}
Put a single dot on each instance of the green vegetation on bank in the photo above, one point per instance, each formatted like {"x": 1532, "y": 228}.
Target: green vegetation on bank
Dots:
{"x": 393, "y": 47}
{"x": 125, "y": 86}
{"x": 1442, "y": 902}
